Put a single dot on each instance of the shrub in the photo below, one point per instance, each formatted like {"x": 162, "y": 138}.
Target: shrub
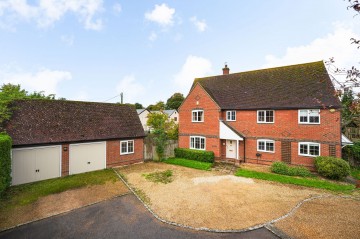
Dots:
{"x": 284, "y": 169}
{"x": 193, "y": 154}
{"x": 5, "y": 162}
{"x": 331, "y": 167}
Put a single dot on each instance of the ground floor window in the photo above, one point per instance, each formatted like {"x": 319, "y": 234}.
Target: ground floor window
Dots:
{"x": 197, "y": 142}
{"x": 266, "y": 145}
{"x": 309, "y": 149}
{"x": 127, "y": 147}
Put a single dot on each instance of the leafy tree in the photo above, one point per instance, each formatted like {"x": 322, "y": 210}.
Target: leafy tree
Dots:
{"x": 160, "y": 105}
{"x": 139, "y": 106}
{"x": 162, "y": 129}
{"x": 347, "y": 101}
{"x": 174, "y": 101}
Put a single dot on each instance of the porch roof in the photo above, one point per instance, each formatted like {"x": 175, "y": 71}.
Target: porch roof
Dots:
{"x": 227, "y": 132}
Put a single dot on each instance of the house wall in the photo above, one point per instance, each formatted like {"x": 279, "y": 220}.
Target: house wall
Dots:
{"x": 199, "y": 99}
{"x": 143, "y": 118}
{"x": 113, "y": 157}
{"x": 175, "y": 116}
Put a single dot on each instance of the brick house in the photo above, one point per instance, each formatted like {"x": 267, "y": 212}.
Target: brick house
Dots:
{"x": 54, "y": 138}
{"x": 285, "y": 114}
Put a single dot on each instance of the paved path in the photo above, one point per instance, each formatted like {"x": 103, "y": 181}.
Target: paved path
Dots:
{"x": 121, "y": 217}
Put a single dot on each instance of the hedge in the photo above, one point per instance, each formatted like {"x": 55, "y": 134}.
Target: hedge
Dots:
{"x": 193, "y": 154}
{"x": 5, "y": 162}
{"x": 331, "y": 167}
{"x": 284, "y": 169}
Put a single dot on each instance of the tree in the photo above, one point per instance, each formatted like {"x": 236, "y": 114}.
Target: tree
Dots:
{"x": 174, "y": 101}
{"x": 160, "y": 105}
{"x": 139, "y": 106}
{"x": 162, "y": 129}
{"x": 347, "y": 101}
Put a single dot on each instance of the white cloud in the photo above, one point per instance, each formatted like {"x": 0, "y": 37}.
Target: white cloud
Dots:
{"x": 194, "y": 67}
{"x": 161, "y": 14}
{"x": 117, "y": 7}
{"x": 133, "y": 91}
{"x": 336, "y": 44}
{"x": 81, "y": 96}
{"x": 199, "y": 24}
{"x": 153, "y": 36}
{"x": 68, "y": 39}
{"x": 43, "y": 80}
{"x": 47, "y": 12}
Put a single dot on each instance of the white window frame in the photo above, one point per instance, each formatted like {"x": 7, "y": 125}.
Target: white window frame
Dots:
{"x": 127, "y": 147}
{"x": 308, "y": 116}
{"x": 264, "y": 122}
{"x": 231, "y": 115}
{"x": 265, "y": 141}
{"x": 192, "y": 146}
{"x": 308, "y": 145}
{"x": 197, "y": 116}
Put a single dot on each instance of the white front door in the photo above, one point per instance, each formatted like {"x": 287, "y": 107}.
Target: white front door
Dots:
{"x": 231, "y": 149}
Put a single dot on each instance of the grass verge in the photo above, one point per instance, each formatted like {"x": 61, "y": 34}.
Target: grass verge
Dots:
{"x": 27, "y": 193}
{"x": 189, "y": 163}
{"x": 314, "y": 183}
{"x": 159, "y": 177}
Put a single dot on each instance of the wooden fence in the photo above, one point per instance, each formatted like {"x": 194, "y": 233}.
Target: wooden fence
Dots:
{"x": 353, "y": 133}
{"x": 150, "y": 149}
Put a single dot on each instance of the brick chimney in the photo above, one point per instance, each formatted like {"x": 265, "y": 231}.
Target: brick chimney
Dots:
{"x": 226, "y": 70}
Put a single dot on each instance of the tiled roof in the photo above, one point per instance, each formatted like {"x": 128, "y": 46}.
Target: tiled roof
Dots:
{"x": 56, "y": 121}
{"x": 139, "y": 111}
{"x": 296, "y": 86}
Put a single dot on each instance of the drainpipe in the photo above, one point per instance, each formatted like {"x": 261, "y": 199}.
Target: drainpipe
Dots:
{"x": 244, "y": 152}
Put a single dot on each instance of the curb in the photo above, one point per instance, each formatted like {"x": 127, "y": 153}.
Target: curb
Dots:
{"x": 267, "y": 225}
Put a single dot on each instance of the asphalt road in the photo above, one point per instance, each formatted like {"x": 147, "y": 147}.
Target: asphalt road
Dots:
{"x": 122, "y": 217}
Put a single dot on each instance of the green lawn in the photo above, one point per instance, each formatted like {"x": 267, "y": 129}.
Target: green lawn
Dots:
{"x": 28, "y": 193}
{"x": 189, "y": 163}
{"x": 307, "y": 182}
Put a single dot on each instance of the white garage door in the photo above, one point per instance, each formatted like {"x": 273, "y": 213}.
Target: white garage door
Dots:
{"x": 35, "y": 164}
{"x": 87, "y": 157}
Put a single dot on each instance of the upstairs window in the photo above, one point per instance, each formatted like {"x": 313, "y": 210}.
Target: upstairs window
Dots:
{"x": 127, "y": 147}
{"x": 231, "y": 115}
{"x": 265, "y": 116}
{"x": 309, "y": 116}
{"x": 197, "y": 116}
{"x": 309, "y": 149}
{"x": 197, "y": 142}
{"x": 266, "y": 145}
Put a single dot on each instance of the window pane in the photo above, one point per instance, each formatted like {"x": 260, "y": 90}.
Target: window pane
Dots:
{"x": 269, "y": 146}
{"x": 269, "y": 116}
{"x": 314, "y": 149}
{"x": 303, "y": 116}
{"x": 303, "y": 149}
{"x": 197, "y": 143}
{"x": 261, "y": 145}
{"x": 194, "y": 116}
{"x": 123, "y": 147}
{"x": 200, "y": 115}
{"x": 202, "y": 146}
{"x": 130, "y": 147}
{"x": 261, "y": 116}
{"x": 192, "y": 144}
{"x": 233, "y": 116}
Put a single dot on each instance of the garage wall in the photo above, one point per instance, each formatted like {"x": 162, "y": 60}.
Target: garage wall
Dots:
{"x": 115, "y": 159}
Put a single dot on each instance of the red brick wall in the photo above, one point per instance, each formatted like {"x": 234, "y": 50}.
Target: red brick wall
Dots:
{"x": 113, "y": 157}
{"x": 64, "y": 160}
{"x": 199, "y": 99}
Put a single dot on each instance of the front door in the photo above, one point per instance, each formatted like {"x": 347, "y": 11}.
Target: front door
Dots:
{"x": 231, "y": 149}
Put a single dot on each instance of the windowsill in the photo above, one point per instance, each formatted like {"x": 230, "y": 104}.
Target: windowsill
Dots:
{"x": 197, "y": 149}
{"x": 230, "y": 120}
{"x": 126, "y": 153}
{"x": 310, "y": 123}
{"x": 265, "y": 122}
{"x": 197, "y": 121}
{"x": 271, "y": 152}
{"x": 305, "y": 155}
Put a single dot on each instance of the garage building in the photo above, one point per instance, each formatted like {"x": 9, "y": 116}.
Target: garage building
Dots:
{"x": 54, "y": 138}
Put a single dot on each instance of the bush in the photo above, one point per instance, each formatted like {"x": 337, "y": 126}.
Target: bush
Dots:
{"x": 193, "y": 154}
{"x": 331, "y": 167}
{"x": 5, "y": 162}
{"x": 284, "y": 169}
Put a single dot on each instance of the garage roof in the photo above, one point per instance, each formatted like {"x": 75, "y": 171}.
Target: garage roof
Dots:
{"x": 58, "y": 121}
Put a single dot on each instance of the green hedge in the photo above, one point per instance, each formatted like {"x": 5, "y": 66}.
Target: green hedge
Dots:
{"x": 193, "y": 154}
{"x": 284, "y": 169}
{"x": 5, "y": 162}
{"x": 331, "y": 167}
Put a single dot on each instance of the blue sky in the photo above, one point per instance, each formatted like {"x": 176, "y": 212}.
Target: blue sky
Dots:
{"x": 92, "y": 49}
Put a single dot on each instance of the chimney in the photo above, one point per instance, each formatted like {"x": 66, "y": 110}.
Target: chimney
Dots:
{"x": 226, "y": 70}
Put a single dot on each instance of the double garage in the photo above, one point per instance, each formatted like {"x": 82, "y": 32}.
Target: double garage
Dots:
{"x": 40, "y": 163}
